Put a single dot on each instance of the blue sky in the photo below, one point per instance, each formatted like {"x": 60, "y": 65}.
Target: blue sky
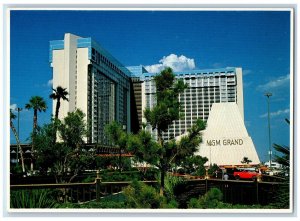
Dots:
{"x": 257, "y": 41}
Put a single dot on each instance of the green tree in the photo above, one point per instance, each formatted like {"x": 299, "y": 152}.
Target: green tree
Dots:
{"x": 211, "y": 200}
{"x": 140, "y": 195}
{"x": 212, "y": 169}
{"x": 284, "y": 158}
{"x": 68, "y": 157}
{"x": 163, "y": 154}
{"x": 47, "y": 152}
{"x": 194, "y": 165}
{"x": 73, "y": 131}
{"x": 36, "y": 103}
{"x": 12, "y": 117}
{"x": 58, "y": 94}
{"x": 118, "y": 137}
{"x": 282, "y": 198}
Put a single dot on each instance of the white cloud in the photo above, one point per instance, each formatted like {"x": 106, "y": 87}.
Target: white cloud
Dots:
{"x": 13, "y": 107}
{"x": 47, "y": 85}
{"x": 277, "y": 113}
{"x": 177, "y": 63}
{"x": 50, "y": 83}
{"x": 279, "y": 82}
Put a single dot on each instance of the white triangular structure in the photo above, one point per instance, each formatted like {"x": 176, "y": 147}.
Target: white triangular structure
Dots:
{"x": 225, "y": 139}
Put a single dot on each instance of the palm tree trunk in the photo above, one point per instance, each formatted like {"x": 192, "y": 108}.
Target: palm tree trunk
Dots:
{"x": 33, "y": 138}
{"x": 18, "y": 143}
{"x": 57, "y": 108}
{"x": 56, "y": 117}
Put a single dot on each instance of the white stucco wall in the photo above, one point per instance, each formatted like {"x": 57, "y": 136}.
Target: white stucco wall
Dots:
{"x": 225, "y": 139}
{"x": 60, "y": 79}
{"x": 82, "y": 83}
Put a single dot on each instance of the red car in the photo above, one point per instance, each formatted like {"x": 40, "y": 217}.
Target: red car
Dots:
{"x": 245, "y": 173}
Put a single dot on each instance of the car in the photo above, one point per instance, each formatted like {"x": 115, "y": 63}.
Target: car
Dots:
{"x": 245, "y": 173}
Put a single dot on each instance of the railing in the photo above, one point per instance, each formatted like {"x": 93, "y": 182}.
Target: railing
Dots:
{"x": 246, "y": 192}
{"x": 81, "y": 192}
{"x": 68, "y": 192}
{"x": 234, "y": 191}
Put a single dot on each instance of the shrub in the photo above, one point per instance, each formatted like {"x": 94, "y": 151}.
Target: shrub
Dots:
{"x": 210, "y": 200}
{"x": 111, "y": 202}
{"x": 40, "y": 198}
{"x": 193, "y": 203}
{"x": 170, "y": 184}
{"x": 139, "y": 195}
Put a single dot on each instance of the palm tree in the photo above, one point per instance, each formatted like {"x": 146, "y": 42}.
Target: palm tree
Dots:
{"x": 284, "y": 158}
{"x": 36, "y": 103}
{"x": 59, "y": 93}
{"x": 246, "y": 160}
{"x": 282, "y": 198}
{"x": 12, "y": 117}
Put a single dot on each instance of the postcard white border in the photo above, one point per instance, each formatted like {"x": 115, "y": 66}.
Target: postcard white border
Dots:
{"x": 159, "y": 7}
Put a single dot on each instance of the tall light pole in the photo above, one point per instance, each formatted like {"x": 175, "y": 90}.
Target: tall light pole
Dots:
{"x": 268, "y": 94}
{"x": 18, "y": 109}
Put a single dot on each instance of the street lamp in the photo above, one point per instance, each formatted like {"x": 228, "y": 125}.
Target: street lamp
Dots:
{"x": 18, "y": 109}
{"x": 268, "y": 95}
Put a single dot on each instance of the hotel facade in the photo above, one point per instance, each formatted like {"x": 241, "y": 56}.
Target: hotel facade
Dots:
{"x": 216, "y": 97}
{"x": 205, "y": 87}
{"x": 107, "y": 91}
{"x": 97, "y": 83}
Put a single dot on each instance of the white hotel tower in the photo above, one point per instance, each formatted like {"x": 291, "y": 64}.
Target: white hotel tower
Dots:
{"x": 97, "y": 83}
{"x": 205, "y": 87}
{"x": 215, "y": 96}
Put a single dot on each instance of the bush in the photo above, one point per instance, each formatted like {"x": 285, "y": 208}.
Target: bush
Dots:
{"x": 171, "y": 182}
{"x": 210, "y": 200}
{"x": 139, "y": 195}
{"x": 282, "y": 199}
{"x": 110, "y": 202}
{"x": 193, "y": 203}
{"x": 40, "y": 198}
{"x": 88, "y": 179}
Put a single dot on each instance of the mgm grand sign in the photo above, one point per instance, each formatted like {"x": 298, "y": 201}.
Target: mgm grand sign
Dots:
{"x": 224, "y": 142}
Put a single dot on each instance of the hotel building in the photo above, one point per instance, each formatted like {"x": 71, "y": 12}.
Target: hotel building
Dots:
{"x": 215, "y": 96}
{"x": 97, "y": 83}
{"x": 106, "y": 91}
{"x": 205, "y": 87}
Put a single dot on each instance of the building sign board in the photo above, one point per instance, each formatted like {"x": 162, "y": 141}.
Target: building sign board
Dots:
{"x": 225, "y": 142}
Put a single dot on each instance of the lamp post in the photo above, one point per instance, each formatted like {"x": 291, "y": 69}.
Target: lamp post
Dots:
{"x": 268, "y": 95}
{"x": 18, "y": 109}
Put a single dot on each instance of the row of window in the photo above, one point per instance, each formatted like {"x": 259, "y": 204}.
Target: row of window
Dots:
{"x": 98, "y": 58}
